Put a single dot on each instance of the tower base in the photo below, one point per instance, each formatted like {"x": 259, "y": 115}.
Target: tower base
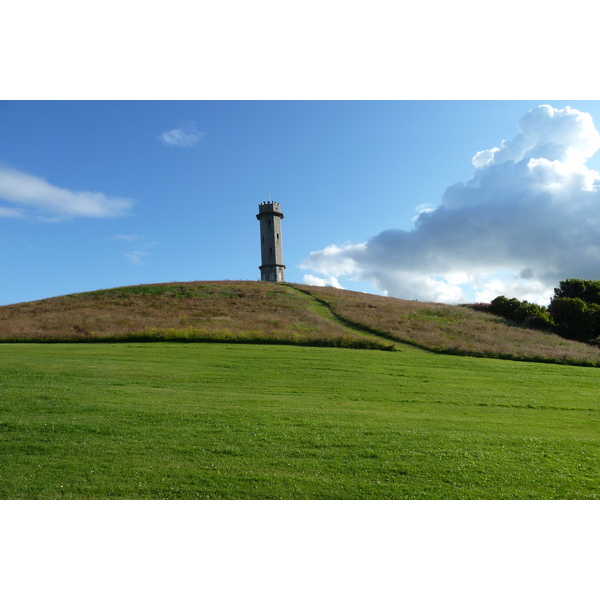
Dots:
{"x": 274, "y": 273}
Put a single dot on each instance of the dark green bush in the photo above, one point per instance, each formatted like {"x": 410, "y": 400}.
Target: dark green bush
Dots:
{"x": 575, "y": 309}
{"x": 575, "y": 318}
{"x": 586, "y": 290}
{"x": 521, "y": 311}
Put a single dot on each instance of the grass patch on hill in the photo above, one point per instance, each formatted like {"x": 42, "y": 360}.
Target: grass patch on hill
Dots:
{"x": 452, "y": 329}
{"x": 218, "y": 421}
{"x": 218, "y": 311}
{"x": 268, "y": 313}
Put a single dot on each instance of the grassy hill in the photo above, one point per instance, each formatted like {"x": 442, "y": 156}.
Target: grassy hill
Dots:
{"x": 260, "y": 312}
{"x": 282, "y": 419}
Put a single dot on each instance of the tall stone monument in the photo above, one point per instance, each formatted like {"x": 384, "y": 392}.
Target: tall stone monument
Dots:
{"x": 272, "y": 268}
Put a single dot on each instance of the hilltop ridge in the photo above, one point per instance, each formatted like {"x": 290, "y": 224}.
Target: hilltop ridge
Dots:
{"x": 262, "y": 312}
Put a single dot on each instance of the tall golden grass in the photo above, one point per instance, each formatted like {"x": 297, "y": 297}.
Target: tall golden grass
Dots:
{"x": 451, "y": 329}
{"x": 242, "y": 311}
{"x": 262, "y": 312}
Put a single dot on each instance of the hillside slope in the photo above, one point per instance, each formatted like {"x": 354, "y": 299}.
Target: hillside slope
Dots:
{"x": 261, "y": 312}
{"x": 243, "y": 311}
{"x": 452, "y": 329}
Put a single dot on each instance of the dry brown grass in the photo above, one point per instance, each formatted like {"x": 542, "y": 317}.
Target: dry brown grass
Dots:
{"x": 247, "y": 311}
{"x": 208, "y": 310}
{"x": 451, "y": 329}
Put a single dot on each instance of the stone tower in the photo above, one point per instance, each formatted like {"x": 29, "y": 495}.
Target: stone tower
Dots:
{"x": 272, "y": 268}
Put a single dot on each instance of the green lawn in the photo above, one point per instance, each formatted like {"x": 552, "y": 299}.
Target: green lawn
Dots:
{"x": 218, "y": 421}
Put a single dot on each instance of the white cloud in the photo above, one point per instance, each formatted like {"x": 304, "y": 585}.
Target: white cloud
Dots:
{"x": 134, "y": 237}
{"x": 138, "y": 251}
{"x": 38, "y": 198}
{"x": 422, "y": 209}
{"x": 11, "y": 213}
{"x": 528, "y": 218}
{"x": 136, "y": 257}
{"x": 335, "y": 260}
{"x": 323, "y": 282}
{"x": 184, "y": 137}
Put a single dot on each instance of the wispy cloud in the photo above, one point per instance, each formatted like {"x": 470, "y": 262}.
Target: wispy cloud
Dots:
{"x": 11, "y": 213}
{"x": 136, "y": 257}
{"x": 133, "y": 237}
{"x": 528, "y": 218}
{"x": 37, "y": 198}
{"x": 138, "y": 251}
{"x": 183, "y": 137}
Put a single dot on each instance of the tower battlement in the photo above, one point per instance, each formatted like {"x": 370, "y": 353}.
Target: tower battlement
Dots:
{"x": 269, "y": 208}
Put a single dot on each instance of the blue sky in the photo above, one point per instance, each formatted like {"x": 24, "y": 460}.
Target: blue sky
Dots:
{"x": 97, "y": 194}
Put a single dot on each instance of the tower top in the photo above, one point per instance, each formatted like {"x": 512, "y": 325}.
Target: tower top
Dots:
{"x": 272, "y": 208}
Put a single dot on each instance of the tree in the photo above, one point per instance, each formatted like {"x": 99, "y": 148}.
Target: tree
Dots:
{"x": 584, "y": 289}
{"x": 576, "y": 319}
{"x": 520, "y": 311}
{"x": 575, "y": 308}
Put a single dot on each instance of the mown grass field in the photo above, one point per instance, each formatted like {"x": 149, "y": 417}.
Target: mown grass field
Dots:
{"x": 240, "y": 421}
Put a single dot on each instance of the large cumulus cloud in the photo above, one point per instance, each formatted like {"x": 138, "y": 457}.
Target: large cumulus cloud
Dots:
{"x": 529, "y": 217}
